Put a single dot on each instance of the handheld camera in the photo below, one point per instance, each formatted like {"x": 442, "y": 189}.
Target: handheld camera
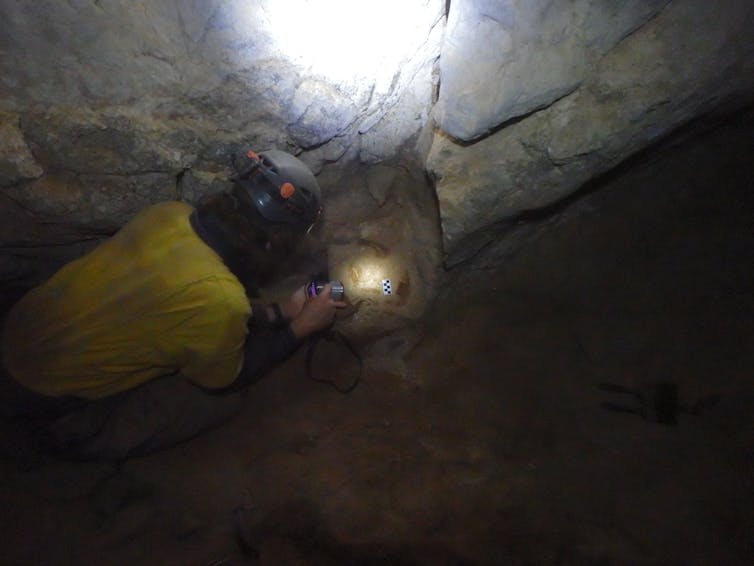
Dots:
{"x": 315, "y": 287}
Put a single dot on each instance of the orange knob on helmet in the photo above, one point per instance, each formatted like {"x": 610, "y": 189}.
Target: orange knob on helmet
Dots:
{"x": 287, "y": 190}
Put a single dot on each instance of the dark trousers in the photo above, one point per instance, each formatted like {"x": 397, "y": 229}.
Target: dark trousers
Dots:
{"x": 154, "y": 416}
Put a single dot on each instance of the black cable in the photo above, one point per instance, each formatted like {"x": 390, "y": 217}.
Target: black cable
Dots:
{"x": 339, "y": 338}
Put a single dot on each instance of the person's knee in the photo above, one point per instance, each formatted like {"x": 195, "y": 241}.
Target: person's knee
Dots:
{"x": 148, "y": 419}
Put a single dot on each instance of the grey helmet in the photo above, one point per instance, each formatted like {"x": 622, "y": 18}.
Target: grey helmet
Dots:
{"x": 280, "y": 187}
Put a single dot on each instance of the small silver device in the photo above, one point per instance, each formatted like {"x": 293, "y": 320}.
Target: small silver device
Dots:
{"x": 337, "y": 291}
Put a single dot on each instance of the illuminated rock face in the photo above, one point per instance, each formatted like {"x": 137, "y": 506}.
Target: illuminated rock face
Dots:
{"x": 612, "y": 95}
{"x": 17, "y": 164}
{"x": 108, "y": 106}
{"x": 505, "y": 58}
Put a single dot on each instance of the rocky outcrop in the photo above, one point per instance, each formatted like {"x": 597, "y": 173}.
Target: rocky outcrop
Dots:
{"x": 222, "y": 72}
{"x": 504, "y": 59}
{"x": 110, "y": 106}
{"x": 652, "y": 81}
{"x": 17, "y": 164}
{"x": 94, "y": 202}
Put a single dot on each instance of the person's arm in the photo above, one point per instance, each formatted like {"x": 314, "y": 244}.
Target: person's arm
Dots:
{"x": 263, "y": 351}
{"x": 277, "y": 315}
{"x": 269, "y": 346}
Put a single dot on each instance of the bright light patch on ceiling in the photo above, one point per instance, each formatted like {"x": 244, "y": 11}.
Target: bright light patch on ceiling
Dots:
{"x": 348, "y": 41}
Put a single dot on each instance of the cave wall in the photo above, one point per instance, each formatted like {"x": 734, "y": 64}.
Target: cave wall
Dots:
{"x": 108, "y": 106}
{"x": 569, "y": 90}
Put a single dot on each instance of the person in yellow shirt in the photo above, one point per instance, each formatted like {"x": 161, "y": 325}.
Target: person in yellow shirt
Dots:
{"x": 157, "y": 321}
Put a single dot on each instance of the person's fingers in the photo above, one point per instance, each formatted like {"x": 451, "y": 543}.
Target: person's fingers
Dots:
{"x": 327, "y": 292}
{"x": 292, "y": 306}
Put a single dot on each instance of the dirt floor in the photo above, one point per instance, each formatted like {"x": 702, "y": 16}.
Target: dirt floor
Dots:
{"x": 495, "y": 444}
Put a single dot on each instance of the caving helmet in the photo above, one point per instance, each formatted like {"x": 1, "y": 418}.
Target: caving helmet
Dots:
{"x": 280, "y": 187}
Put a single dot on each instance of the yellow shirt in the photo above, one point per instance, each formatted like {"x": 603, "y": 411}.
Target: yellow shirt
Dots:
{"x": 151, "y": 301}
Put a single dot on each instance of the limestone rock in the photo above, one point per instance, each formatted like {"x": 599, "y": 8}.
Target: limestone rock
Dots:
{"x": 98, "y": 202}
{"x": 329, "y": 152}
{"x": 119, "y": 141}
{"x": 127, "y": 103}
{"x": 405, "y": 113}
{"x": 656, "y": 80}
{"x": 400, "y": 243}
{"x": 194, "y": 185}
{"x": 319, "y": 112}
{"x": 224, "y": 69}
{"x": 16, "y": 160}
{"x": 124, "y": 104}
{"x": 401, "y": 122}
{"x": 503, "y": 59}
{"x": 347, "y": 202}
{"x": 379, "y": 180}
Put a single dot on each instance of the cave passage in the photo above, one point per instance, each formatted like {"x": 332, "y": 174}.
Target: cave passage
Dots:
{"x": 586, "y": 401}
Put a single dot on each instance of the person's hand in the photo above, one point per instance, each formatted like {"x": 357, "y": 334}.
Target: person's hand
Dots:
{"x": 318, "y": 313}
{"x": 292, "y": 306}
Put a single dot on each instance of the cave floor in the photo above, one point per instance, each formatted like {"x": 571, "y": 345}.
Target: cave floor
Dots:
{"x": 491, "y": 445}
{"x": 493, "y": 450}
